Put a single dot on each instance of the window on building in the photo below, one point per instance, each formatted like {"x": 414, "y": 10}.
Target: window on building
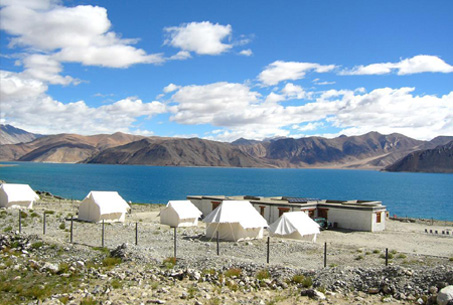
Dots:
{"x": 262, "y": 210}
{"x": 282, "y": 210}
{"x": 215, "y": 204}
{"x": 378, "y": 217}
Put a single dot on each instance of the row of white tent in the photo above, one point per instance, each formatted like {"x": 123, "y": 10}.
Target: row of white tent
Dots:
{"x": 96, "y": 207}
{"x": 239, "y": 220}
{"x": 231, "y": 220}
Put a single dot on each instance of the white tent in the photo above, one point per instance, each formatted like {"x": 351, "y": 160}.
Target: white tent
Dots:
{"x": 107, "y": 206}
{"x": 180, "y": 213}
{"x": 235, "y": 220}
{"x": 17, "y": 196}
{"x": 295, "y": 225}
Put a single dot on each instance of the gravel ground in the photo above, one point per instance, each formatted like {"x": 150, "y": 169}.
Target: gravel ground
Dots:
{"x": 356, "y": 269}
{"x": 407, "y": 242}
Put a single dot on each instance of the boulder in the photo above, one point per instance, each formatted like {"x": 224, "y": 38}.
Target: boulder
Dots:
{"x": 445, "y": 295}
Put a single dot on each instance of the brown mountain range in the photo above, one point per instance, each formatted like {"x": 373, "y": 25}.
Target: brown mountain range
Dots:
{"x": 371, "y": 151}
{"x": 435, "y": 160}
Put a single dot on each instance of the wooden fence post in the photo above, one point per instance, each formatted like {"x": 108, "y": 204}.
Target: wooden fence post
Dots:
{"x": 136, "y": 233}
{"x": 174, "y": 238}
{"x": 103, "y": 232}
{"x": 268, "y": 249}
{"x": 72, "y": 228}
{"x": 44, "y": 224}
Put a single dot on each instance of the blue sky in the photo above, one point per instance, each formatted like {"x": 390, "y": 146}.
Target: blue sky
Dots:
{"x": 223, "y": 70}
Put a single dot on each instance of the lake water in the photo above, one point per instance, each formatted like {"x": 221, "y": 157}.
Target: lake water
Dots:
{"x": 405, "y": 194}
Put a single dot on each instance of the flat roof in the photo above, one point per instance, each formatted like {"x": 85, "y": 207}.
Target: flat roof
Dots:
{"x": 298, "y": 201}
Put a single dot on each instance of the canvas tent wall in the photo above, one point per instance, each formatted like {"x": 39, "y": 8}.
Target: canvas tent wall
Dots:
{"x": 107, "y": 206}
{"x": 17, "y": 196}
{"x": 180, "y": 213}
{"x": 295, "y": 225}
{"x": 235, "y": 221}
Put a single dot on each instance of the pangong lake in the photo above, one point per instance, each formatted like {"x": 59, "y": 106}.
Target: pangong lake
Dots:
{"x": 420, "y": 195}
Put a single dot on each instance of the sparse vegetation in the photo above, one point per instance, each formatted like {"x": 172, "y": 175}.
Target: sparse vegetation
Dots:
{"x": 169, "y": 262}
{"x": 263, "y": 274}
{"x": 111, "y": 262}
{"x": 359, "y": 257}
{"x": 62, "y": 226}
{"x": 8, "y": 229}
{"x": 306, "y": 281}
{"x": 233, "y": 272}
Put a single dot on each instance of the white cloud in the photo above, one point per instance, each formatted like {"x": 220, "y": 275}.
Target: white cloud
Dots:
{"x": 317, "y": 81}
{"x": 242, "y": 112}
{"x": 294, "y": 91}
{"x": 289, "y": 70}
{"x": 70, "y": 34}
{"x": 181, "y": 55}
{"x": 308, "y": 127}
{"x": 247, "y": 52}
{"x": 171, "y": 87}
{"x": 204, "y": 38}
{"x": 44, "y": 68}
{"x": 416, "y": 64}
{"x": 26, "y": 104}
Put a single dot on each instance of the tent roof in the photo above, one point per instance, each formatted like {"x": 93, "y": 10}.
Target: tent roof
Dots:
{"x": 242, "y": 212}
{"x": 108, "y": 202}
{"x": 184, "y": 208}
{"x": 290, "y": 222}
{"x": 19, "y": 192}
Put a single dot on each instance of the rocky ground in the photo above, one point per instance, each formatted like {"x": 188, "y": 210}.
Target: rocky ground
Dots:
{"x": 49, "y": 269}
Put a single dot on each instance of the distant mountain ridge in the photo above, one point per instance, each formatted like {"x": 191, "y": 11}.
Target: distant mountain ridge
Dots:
{"x": 12, "y": 135}
{"x": 369, "y": 151}
{"x": 435, "y": 160}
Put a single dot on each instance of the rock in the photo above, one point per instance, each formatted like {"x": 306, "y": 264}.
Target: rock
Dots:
{"x": 50, "y": 267}
{"x": 313, "y": 294}
{"x": 445, "y": 295}
{"x": 373, "y": 290}
{"x": 433, "y": 289}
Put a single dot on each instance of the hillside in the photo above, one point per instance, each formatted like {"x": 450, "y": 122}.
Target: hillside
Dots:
{"x": 12, "y": 135}
{"x": 369, "y": 151}
{"x": 436, "y": 160}
{"x": 177, "y": 152}
{"x": 64, "y": 148}
{"x": 372, "y": 150}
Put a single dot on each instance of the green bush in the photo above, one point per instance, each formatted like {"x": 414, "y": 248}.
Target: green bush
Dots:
{"x": 169, "y": 262}
{"x": 301, "y": 279}
{"x": 233, "y": 272}
{"x": 62, "y": 226}
{"x": 263, "y": 274}
{"x": 111, "y": 261}
{"x": 37, "y": 245}
{"x": 359, "y": 257}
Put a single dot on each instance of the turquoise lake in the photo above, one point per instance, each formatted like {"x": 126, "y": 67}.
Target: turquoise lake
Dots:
{"x": 421, "y": 195}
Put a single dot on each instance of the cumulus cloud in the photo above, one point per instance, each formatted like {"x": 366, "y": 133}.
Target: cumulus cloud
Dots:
{"x": 204, "y": 38}
{"x": 26, "y": 104}
{"x": 70, "y": 34}
{"x": 416, "y": 64}
{"x": 279, "y": 71}
{"x": 239, "y": 111}
{"x": 294, "y": 91}
{"x": 247, "y": 52}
